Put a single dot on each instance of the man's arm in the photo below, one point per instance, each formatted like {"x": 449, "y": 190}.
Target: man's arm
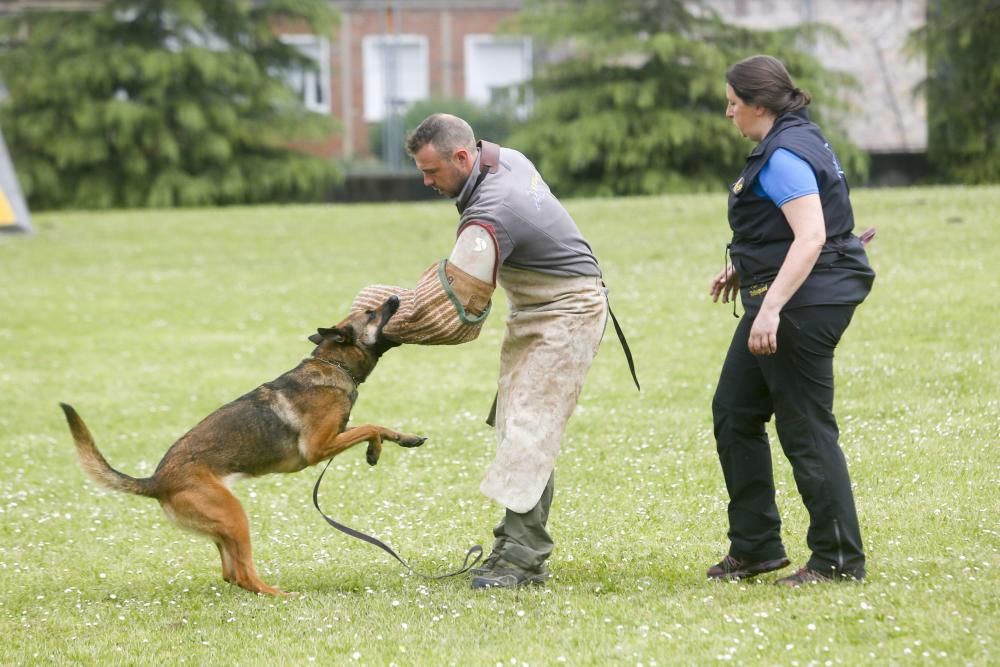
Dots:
{"x": 476, "y": 251}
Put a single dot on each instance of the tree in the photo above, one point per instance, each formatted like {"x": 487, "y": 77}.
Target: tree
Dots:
{"x": 160, "y": 103}
{"x": 634, "y": 103}
{"x": 963, "y": 89}
{"x": 493, "y": 123}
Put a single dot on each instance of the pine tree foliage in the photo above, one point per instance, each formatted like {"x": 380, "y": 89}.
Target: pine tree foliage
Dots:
{"x": 963, "y": 89}
{"x": 161, "y": 103}
{"x": 633, "y": 100}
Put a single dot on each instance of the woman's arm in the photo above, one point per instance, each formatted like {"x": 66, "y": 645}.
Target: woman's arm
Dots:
{"x": 805, "y": 217}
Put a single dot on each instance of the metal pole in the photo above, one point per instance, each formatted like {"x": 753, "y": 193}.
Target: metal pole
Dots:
{"x": 393, "y": 133}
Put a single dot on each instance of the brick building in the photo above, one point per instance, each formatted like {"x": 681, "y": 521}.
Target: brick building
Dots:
{"x": 388, "y": 53}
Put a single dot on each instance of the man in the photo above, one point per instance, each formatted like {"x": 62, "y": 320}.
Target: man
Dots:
{"x": 513, "y": 230}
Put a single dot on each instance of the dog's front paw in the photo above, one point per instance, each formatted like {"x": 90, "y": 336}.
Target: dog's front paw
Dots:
{"x": 412, "y": 440}
{"x": 374, "y": 451}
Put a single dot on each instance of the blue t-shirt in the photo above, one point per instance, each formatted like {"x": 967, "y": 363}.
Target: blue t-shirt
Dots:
{"x": 785, "y": 177}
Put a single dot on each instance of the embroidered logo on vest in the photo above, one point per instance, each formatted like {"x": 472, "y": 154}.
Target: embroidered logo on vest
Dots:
{"x": 836, "y": 162}
{"x": 738, "y": 186}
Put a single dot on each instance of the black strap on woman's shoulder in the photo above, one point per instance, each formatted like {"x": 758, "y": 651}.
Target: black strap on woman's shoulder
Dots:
{"x": 475, "y": 550}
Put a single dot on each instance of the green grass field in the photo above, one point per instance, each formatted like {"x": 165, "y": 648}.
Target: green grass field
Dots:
{"x": 147, "y": 321}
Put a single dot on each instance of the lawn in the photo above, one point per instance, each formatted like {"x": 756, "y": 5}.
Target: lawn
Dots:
{"x": 147, "y": 321}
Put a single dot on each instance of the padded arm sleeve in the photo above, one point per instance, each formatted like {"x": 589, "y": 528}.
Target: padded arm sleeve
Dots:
{"x": 447, "y": 306}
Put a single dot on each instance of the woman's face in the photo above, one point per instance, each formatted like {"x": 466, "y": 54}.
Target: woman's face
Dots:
{"x": 751, "y": 120}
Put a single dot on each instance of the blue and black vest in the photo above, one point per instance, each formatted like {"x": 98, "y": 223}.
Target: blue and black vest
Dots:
{"x": 762, "y": 235}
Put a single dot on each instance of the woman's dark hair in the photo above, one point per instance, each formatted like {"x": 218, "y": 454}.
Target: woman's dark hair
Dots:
{"x": 764, "y": 81}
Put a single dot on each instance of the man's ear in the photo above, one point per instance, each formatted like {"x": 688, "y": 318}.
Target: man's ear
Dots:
{"x": 463, "y": 157}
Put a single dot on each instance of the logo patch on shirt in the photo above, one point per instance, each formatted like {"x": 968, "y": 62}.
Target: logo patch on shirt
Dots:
{"x": 738, "y": 186}
{"x": 757, "y": 290}
{"x": 537, "y": 190}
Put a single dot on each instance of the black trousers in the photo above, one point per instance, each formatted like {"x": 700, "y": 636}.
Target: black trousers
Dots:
{"x": 795, "y": 385}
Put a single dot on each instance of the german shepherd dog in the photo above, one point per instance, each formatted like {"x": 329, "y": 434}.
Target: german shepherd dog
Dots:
{"x": 285, "y": 425}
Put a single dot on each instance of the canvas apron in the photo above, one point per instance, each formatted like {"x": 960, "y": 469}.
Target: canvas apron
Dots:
{"x": 553, "y": 332}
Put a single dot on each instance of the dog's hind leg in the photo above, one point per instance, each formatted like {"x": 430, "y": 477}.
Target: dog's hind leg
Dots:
{"x": 210, "y": 508}
{"x": 228, "y": 571}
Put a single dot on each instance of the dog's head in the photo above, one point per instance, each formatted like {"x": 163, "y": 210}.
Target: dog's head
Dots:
{"x": 361, "y": 331}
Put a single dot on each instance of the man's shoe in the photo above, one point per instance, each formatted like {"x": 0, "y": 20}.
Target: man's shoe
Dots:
{"x": 487, "y": 565}
{"x": 807, "y": 575}
{"x": 734, "y": 569}
{"x": 504, "y": 574}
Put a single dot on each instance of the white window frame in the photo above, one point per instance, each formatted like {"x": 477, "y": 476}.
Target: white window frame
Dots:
{"x": 480, "y": 93}
{"x": 375, "y": 67}
{"x": 312, "y": 80}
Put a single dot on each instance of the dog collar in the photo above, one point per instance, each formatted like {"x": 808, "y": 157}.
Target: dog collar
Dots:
{"x": 337, "y": 364}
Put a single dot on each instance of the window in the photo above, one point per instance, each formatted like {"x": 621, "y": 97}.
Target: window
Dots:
{"x": 494, "y": 65}
{"x": 395, "y": 73}
{"x": 312, "y": 84}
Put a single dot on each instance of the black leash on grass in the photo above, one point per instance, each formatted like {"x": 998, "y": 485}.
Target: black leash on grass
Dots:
{"x": 475, "y": 549}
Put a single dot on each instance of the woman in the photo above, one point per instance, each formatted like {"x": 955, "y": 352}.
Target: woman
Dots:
{"x": 800, "y": 273}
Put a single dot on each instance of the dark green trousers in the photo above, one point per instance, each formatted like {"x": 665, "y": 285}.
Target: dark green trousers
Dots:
{"x": 522, "y": 539}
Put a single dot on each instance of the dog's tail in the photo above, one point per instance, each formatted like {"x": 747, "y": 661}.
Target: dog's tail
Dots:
{"x": 95, "y": 465}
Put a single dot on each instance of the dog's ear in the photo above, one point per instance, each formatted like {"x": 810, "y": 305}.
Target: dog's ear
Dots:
{"x": 335, "y": 334}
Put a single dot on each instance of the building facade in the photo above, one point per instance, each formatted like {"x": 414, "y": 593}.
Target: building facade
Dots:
{"x": 386, "y": 54}
{"x": 887, "y": 114}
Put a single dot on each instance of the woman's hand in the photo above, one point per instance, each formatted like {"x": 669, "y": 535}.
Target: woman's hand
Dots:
{"x": 764, "y": 333}
{"x": 726, "y": 283}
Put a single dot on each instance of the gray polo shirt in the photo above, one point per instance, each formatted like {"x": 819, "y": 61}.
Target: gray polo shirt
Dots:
{"x": 532, "y": 229}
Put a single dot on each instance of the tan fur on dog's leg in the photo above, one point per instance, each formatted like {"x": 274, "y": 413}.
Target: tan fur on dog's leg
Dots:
{"x": 211, "y": 508}
{"x": 327, "y": 443}
{"x": 320, "y": 447}
{"x": 228, "y": 573}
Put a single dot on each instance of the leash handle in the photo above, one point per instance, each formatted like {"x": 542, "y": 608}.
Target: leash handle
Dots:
{"x": 475, "y": 549}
